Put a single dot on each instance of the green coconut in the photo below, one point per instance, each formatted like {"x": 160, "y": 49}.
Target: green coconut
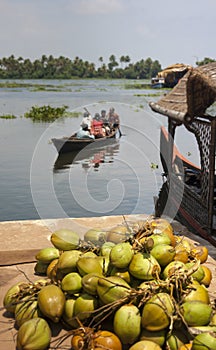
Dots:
{"x": 26, "y": 310}
{"x": 84, "y": 305}
{"x": 34, "y": 334}
{"x": 121, "y": 255}
{"x": 89, "y": 264}
{"x": 67, "y": 261}
{"x": 95, "y": 236}
{"x": 204, "y": 341}
{"x": 163, "y": 253}
{"x": 51, "y": 300}
{"x": 71, "y": 283}
{"x": 65, "y": 239}
{"x": 112, "y": 288}
{"x": 127, "y": 323}
{"x": 196, "y": 313}
{"x": 157, "y": 312}
{"x": 144, "y": 266}
{"x": 145, "y": 345}
{"x": 46, "y": 255}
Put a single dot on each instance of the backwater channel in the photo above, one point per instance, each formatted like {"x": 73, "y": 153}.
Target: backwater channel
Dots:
{"x": 120, "y": 179}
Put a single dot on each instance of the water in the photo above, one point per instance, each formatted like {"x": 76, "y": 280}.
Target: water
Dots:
{"x": 119, "y": 179}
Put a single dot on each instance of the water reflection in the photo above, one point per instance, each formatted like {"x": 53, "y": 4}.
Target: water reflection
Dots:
{"x": 89, "y": 157}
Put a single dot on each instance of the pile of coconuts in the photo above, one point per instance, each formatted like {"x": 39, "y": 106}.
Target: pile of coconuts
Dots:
{"x": 136, "y": 287}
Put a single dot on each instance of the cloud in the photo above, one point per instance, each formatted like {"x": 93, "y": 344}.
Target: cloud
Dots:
{"x": 92, "y": 7}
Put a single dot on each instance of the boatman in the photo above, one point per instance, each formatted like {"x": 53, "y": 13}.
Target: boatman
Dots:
{"x": 113, "y": 118}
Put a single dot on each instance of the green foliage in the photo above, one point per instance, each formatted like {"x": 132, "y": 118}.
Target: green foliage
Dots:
{"x": 72, "y": 114}
{"x": 206, "y": 60}
{"x": 45, "y": 113}
{"x": 49, "y": 67}
{"x": 137, "y": 86}
{"x": 65, "y": 68}
{"x": 154, "y": 166}
{"x": 7, "y": 116}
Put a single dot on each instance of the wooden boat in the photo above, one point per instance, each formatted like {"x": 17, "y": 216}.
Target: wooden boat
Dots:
{"x": 72, "y": 143}
{"x": 170, "y": 76}
{"x": 88, "y": 155}
{"x": 189, "y": 192}
{"x": 157, "y": 82}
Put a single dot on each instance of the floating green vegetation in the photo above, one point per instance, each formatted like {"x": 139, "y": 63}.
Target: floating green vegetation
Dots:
{"x": 7, "y": 116}
{"x": 34, "y": 87}
{"x": 154, "y": 166}
{"x": 149, "y": 95}
{"x": 45, "y": 88}
{"x": 46, "y": 113}
{"x": 137, "y": 86}
{"x": 13, "y": 85}
{"x": 72, "y": 114}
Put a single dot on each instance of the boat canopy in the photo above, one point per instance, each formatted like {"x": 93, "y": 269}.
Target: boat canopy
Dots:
{"x": 193, "y": 94}
{"x": 174, "y": 68}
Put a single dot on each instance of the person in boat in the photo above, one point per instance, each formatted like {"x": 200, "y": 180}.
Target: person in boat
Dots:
{"x": 87, "y": 119}
{"x": 97, "y": 117}
{"x": 113, "y": 118}
{"x": 84, "y": 132}
{"x": 103, "y": 116}
{"x": 105, "y": 121}
{"x": 97, "y": 126}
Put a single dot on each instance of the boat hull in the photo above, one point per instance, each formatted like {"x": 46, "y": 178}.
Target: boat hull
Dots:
{"x": 91, "y": 155}
{"x": 66, "y": 145}
{"x": 179, "y": 197}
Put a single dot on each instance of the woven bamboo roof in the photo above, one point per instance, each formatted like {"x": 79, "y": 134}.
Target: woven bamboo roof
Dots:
{"x": 174, "y": 68}
{"x": 193, "y": 94}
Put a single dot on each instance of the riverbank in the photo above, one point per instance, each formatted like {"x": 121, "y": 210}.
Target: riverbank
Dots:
{"x": 21, "y": 240}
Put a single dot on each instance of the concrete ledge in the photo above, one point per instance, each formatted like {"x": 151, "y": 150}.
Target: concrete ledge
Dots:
{"x": 22, "y": 239}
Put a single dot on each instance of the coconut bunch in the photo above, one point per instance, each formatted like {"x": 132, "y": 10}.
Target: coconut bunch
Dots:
{"x": 132, "y": 287}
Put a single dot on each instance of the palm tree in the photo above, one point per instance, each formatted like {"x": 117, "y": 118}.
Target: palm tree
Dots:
{"x": 122, "y": 60}
{"x": 127, "y": 59}
{"x": 100, "y": 59}
{"x": 113, "y": 63}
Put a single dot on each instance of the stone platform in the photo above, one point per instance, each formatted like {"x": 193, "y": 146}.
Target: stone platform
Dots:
{"x": 21, "y": 240}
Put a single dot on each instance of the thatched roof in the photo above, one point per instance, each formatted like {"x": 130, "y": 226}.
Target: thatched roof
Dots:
{"x": 193, "y": 94}
{"x": 174, "y": 68}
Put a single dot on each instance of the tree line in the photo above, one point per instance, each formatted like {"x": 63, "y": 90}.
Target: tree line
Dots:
{"x": 49, "y": 67}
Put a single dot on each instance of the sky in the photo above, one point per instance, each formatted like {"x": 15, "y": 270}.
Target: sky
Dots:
{"x": 169, "y": 31}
